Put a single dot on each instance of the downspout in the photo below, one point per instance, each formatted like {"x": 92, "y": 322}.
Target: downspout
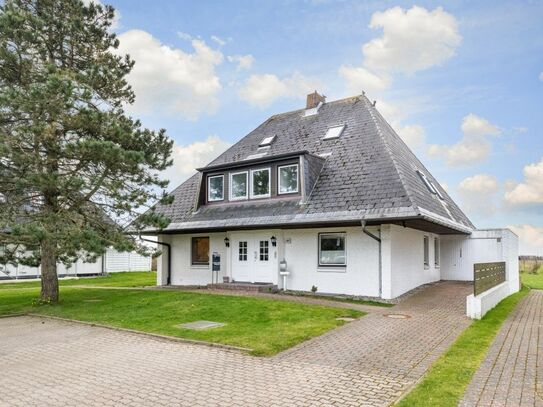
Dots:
{"x": 378, "y": 240}
{"x": 168, "y": 277}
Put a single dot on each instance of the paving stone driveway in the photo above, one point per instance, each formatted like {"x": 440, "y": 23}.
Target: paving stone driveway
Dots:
{"x": 367, "y": 362}
{"x": 512, "y": 373}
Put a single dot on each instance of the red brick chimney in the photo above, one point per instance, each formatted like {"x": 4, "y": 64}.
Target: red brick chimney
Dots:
{"x": 313, "y": 100}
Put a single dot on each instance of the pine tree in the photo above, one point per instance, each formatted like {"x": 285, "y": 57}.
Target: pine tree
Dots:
{"x": 74, "y": 167}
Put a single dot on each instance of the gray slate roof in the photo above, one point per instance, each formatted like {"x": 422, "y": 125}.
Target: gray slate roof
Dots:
{"x": 371, "y": 174}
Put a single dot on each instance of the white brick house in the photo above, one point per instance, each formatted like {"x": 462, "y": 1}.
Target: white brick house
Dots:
{"x": 333, "y": 192}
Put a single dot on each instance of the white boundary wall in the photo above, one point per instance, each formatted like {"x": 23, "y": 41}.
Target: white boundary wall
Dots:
{"x": 477, "y": 307}
{"x": 112, "y": 262}
{"x": 126, "y": 261}
{"x": 483, "y": 246}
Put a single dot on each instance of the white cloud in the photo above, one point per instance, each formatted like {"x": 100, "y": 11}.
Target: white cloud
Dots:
{"x": 186, "y": 158}
{"x": 242, "y": 61}
{"x": 474, "y": 145}
{"x": 184, "y": 36}
{"x": 530, "y": 191}
{"x": 218, "y": 40}
{"x": 413, "y": 135}
{"x": 478, "y": 193}
{"x": 169, "y": 80}
{"x": 412, "y": 40}
{"x": 541, "y": 76}
{"x": 359, "y": 78}
{"x": 263, "y": 90}
{"x": 530, "y": 239}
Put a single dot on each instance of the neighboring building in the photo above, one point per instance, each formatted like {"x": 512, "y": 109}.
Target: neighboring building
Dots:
{"x": 112, "y": 261}
{"x": 335, "y": 193}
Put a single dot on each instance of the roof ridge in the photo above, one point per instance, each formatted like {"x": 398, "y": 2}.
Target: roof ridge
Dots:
{"x": 342, "y": 100}
{"x": 372, "y": 110}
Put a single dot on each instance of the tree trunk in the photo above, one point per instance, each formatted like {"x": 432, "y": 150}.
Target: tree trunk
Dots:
{"x": 49, "y": 278}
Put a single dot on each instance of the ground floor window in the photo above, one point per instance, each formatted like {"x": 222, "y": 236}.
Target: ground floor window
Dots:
{"x": 200, "y": 251}
{"x": 426, "y": 251}
{"x": 332, "y": 249}
{"x": 436, "y": 252}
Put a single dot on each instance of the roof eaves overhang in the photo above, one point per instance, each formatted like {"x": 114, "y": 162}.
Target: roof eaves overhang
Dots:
{"x": 441, "y": 220}
{"x": 259, "y": 160}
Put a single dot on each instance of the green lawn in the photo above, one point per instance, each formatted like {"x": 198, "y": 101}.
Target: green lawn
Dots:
{"x": 445, "y": 383}
{"x": 266, "y": 326}
{"x": 132, "y": 279}
{"x": 533, "y": 280}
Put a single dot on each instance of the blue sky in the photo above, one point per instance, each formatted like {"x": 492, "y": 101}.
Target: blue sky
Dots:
{"x": 461, "y": 82}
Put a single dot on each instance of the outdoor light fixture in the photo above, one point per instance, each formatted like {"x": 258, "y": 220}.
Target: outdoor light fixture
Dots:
{"x": 227, "y": 242}
{"x": 274, "y": 241}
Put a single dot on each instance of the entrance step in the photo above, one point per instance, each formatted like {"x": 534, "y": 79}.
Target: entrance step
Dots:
{"x": 254, "y": 287}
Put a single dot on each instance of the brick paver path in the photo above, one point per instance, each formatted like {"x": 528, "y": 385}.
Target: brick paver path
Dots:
{"x": 512, "y": 373}
{"x": 367, "y": 362}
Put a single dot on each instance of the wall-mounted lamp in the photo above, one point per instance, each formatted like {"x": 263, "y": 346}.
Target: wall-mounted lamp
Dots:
{"x": 227, "y": 242}
{"x": 274, "y": 241}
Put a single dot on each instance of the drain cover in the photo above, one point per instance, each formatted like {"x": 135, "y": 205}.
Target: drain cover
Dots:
{"x": 397, "y": 316}
{"x": 200, "y": 325}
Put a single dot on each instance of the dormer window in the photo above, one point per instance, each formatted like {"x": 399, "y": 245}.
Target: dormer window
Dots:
{"x": 215, "y": 188}
{"x": 334, "y": 132}
{"x": 238, "y": 185}
{"x": 288, "y": 179}
{"x": 260, "y": 183}
{"x": 267, "y": 141}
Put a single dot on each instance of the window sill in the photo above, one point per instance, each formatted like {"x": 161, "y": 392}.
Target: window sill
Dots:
{"x": 200, "y": 266}
{"x": 332, "y": 269}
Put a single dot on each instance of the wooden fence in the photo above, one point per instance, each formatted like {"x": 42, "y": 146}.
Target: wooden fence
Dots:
{"x": 487, "y": 275}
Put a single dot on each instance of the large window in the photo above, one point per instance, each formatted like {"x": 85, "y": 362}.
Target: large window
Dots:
{"x": 215, "y": 188}
{"x": 288, "y": 179}
{"x": 332, "y": 249}
{"x": 200, "y": 251}
{"x": 426, "y": 251}
{"x": 238, "y": 186}
{"x": 260, "y": 183}
{"x": 436, "y": 251}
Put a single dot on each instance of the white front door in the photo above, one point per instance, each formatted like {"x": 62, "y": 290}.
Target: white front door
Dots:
{"x": 254, "y": 259}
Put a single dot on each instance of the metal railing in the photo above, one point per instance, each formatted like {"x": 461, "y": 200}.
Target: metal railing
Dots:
{"x": 487, "y": 275}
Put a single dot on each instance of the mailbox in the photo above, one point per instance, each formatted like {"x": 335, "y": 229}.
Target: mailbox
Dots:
{"x": 216, "y": 261}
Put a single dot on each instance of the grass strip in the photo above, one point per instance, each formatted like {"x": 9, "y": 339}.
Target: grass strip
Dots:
{"x": 447, "y": 380}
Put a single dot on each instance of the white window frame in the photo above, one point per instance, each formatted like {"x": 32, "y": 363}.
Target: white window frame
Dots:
{"x": 332, "y": 134}
{"x": 426, "y": 251}
{"x": 209, "y": 189}
{"x": 267, "y": 141}
{"x": 335, "y": 265}
{"x": 427, "y": 182}
{"x": 279, "y": 179}
{"x": 437, "y": 252}
{"x": 253, "y": 196}
{"x": 239, "y": 198}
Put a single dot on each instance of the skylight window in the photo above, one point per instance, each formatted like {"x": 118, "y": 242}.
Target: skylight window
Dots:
{"x": 439, "y": 194}
{"x": 334, "y": 132}
{"x": 267, "y": 141}
{"x": 430, "y": 185}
